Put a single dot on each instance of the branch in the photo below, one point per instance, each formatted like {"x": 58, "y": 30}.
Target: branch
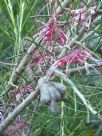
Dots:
{"x": 18, "y": 110}
{"x": 81, "y": 96}
{"x": 83, "y": 68}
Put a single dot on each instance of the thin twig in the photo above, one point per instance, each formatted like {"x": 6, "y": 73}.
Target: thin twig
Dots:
{"x": 83, "y": 68}
{"x": 75, "y": 89}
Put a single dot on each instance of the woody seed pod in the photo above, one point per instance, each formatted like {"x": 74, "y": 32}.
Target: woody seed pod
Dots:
{"x": 54, "y": 94}
{"x": 60, "y": 87}
{"x": 54, "y": 106}
{"x": 44, "y": 94}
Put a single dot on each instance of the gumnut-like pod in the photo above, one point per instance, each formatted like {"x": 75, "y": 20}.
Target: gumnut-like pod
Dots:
{"x": 54, "y": 94}
{"x": 55, "y": 97}
{"x": 48, "y": 92}
{"x": 54, "y": 106}
{"x": 51, "y": 93}
{"x": 44, "y": 94}
{"x": 60, "y": 88}
{"x": 50, "y": 96}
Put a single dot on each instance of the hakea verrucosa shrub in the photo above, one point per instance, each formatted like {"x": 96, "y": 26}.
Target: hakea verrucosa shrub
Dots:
{"x": 52, "y": 39}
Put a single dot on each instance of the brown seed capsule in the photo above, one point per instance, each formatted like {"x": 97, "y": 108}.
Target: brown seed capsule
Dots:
{"x": 60, "y": 87}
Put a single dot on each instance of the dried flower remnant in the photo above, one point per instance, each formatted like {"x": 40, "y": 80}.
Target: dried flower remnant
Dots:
{"x": 29, "y": 89}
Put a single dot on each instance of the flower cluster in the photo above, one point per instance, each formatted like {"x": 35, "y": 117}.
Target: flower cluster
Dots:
{"x": 51, "y": 30}
{"x": 19, "y": 127}
{"x": 77, "y": 56}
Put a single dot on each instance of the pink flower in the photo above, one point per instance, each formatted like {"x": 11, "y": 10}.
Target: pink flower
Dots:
{"x": 50, "y": 30}
{"x": 35, "y": 60}
{"x": 61, "y": 37}
{"x": 46, "y": 32}
{"x": 39, "y": 62}
{"x": 20, "y": 90}
{"x": 78, "y": 56}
